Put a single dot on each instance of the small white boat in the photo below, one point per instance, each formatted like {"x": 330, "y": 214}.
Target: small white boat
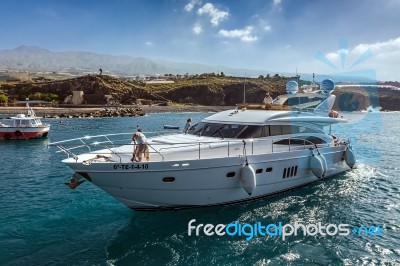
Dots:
{"x": 229, "y": 157}
{"x": 170, "y": 127}
{"x": 23, "y": 126}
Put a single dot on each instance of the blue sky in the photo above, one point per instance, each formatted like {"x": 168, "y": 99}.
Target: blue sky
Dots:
{"x": 272, "y": 35}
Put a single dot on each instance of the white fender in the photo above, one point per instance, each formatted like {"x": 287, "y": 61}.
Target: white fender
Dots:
{"x": 350, "y": 158}
{"x": 248, "y": 178}
{"x": 324, "y": 164}
{"x": 318, "y": 165}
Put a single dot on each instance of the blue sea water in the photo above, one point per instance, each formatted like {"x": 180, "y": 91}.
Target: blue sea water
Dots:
{"x": 43, "y": 222}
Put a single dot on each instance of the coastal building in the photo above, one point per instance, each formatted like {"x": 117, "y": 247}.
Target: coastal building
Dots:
{"x": 77, "y": 97}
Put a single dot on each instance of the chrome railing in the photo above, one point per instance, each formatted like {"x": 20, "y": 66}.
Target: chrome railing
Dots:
{"x": 184, "y": 150}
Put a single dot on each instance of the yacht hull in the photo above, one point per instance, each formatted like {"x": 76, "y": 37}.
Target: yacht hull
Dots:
{"x": 23, "y": 132}
{"x": 205, "y": 182}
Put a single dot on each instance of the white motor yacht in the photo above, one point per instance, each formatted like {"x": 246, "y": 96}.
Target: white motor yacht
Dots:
{"x": 229, "y": 157}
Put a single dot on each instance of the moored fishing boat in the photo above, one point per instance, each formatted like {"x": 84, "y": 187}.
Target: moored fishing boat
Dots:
{"x": 23, "y": 126}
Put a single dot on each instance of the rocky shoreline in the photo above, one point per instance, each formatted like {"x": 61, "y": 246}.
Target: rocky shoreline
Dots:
{"x": 63, "y": 112}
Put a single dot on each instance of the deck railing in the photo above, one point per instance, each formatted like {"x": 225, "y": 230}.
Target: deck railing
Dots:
{"x": 193, "y": 150}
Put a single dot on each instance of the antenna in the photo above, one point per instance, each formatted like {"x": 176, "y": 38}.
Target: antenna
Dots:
{"x": 244, "y": 89}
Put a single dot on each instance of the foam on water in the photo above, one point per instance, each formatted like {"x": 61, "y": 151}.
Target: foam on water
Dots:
{"x": 44, "y": 222}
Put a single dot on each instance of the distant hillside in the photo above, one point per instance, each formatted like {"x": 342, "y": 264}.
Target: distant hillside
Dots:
{"x": 206, "y": 89}
{"x": 36, "y": 59}
{"x": 95, "y": 89}
{"x": 203, "y": 90}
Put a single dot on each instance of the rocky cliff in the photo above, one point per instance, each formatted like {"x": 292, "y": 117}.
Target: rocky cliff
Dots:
{"x": 96, "y": 89}
{"x": 203, "y": 90}
{"x": 360, "y": 98}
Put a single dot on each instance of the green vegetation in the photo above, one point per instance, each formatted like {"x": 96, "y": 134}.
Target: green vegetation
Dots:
{"x": 3, "y": 98}
{"x": 49, "y": 97}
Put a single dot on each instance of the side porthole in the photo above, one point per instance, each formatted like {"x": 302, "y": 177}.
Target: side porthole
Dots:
{"x": 259, "y": 171}
{"x": 231, "y": 174}
{"x": 269, "y": 169}
{"x": 168, "y": 179}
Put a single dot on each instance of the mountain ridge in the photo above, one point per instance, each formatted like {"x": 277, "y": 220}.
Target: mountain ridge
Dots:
{"x": 38, "y": 59}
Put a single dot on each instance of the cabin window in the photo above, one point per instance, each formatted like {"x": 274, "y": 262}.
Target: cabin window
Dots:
{"x": 245, "y": 131}
{"x": 293, "y": 101}
{"x": 210, "y": 129}
{"x": 259, "y": 171}
{"x": 24, "y": 123}
{"x": 294, "y": 141}
{"x": 229, "y": 131}
{"x": 275, "y": 130}
{"x": 205, "y": 129}
{"x": 250, "y": 132}
{"x": 304, "y": 102}
{"x": 265, "y": 131}
{"x": 196, "y": 128}
{"x": 269, "y": 169}
{"x": 286, "y": 130}
{"x": 316, "y": 140}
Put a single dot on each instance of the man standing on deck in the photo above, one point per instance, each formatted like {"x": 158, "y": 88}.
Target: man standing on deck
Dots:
{"x": 140, "y": 147}
{"x": 267, "y": 99}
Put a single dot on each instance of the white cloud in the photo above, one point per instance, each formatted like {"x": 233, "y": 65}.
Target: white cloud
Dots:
{"x": 393, "y": 45}
{"x": 332, "y": 56}
{"x": 197, "y": 29}
{"x": 216, "y": 15}
{"x": 382, "y": 57}
{"x": 264, "y": 25}
{"x": 189, "y": 6}
{"x": 277, "y": 2}
{"x": 149, "y": 43}
{"x": 245, "y": 34}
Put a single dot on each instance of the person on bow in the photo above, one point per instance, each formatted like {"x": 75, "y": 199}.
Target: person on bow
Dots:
{"x": 140, "y": 147}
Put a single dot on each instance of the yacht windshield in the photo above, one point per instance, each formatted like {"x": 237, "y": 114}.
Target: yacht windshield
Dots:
{"x": 216, "y": 130}
{"x": 304, "y": 101}
{"x": 219, "y": 130}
